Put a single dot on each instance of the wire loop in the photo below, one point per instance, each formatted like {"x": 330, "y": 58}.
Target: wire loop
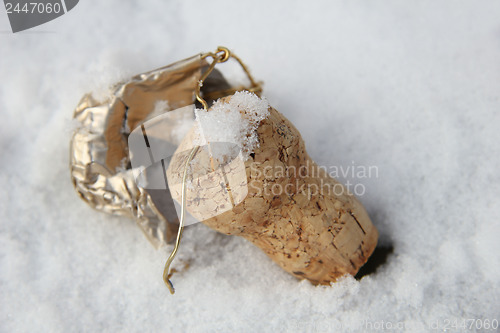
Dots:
{"x": 221, "y": 55}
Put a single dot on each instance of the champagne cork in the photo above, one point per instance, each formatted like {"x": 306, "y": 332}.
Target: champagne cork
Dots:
{"x": 280, "y": 200}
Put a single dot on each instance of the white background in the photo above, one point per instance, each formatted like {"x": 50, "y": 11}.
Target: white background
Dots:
{"x": 410, "y": 87}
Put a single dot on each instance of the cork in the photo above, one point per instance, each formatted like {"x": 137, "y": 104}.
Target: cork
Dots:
{"x": 289, "y": 207}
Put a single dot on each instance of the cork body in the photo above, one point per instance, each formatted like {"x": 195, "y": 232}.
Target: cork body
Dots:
{"x": 302, "y": 218}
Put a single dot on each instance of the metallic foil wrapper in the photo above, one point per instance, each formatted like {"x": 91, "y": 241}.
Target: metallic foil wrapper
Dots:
{"x": 99, "y": 152}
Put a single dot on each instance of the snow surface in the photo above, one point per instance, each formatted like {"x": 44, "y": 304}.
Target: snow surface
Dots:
{"x": 412, "y": 88}
{"x": 226, "y": 123}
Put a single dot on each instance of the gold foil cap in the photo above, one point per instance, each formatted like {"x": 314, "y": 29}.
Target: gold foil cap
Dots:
{"x": 99, "y": 153}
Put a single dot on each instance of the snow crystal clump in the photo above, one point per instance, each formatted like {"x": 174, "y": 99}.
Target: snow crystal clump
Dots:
{"x": 234, "y": 121}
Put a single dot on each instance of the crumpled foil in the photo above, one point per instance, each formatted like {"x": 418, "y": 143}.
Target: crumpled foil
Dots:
{"x": 99, "y": 156}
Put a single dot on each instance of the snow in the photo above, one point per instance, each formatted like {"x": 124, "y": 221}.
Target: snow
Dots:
{"x": 412, "y": 88}
{"x": 234, "y": 121}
